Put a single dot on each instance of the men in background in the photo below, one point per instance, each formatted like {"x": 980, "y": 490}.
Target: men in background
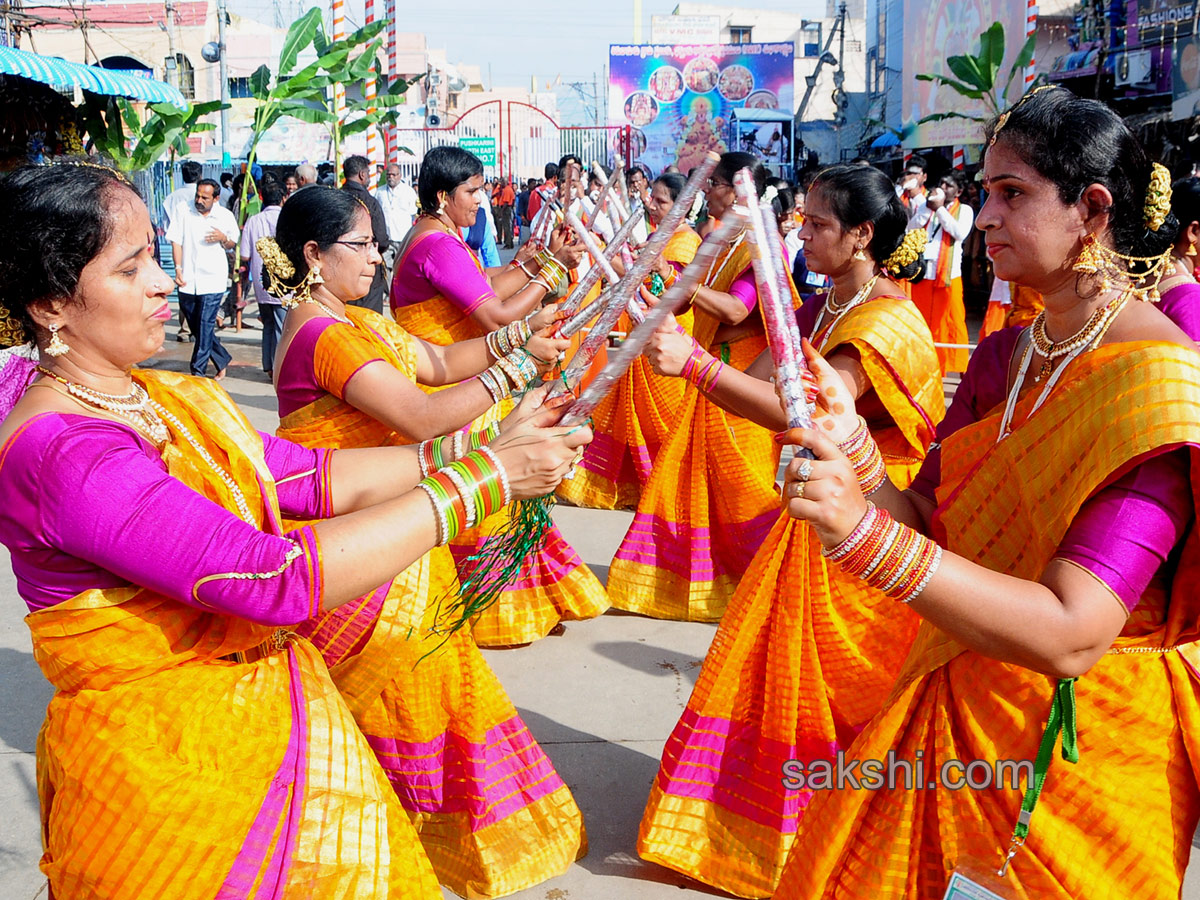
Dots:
{"x": 521, "y": 210}
{"x": 399, "y": 203}
{"x": 199, "y": 241}
{"x": 504, "y": 198}
{"x": 177, "y": 203}
{"x": 356, "y": 170}
{"x": 306, "y": 174}
{"x": 539, "y": 194}
{"x": 270, "y": 311}
{"x": 911, "y": 191}
{"x": 939, "y": 296}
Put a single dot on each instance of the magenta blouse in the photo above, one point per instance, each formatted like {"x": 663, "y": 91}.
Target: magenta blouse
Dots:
{"x": 1125, "y": 532}
{"x": 89, "y": 503}
{"x": 439, "y": 263}
{"x": 1181, "y": 304}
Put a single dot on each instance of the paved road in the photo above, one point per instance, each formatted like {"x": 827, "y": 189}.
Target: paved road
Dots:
{"x": 601, "y": 699}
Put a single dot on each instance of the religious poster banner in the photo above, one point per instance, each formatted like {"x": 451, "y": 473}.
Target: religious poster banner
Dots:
{"x": 677, "y": 97}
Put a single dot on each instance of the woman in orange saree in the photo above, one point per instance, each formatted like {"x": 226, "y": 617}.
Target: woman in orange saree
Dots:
{"x": 1065, "y": 488}
{"x": 640, "y": 413}
{"x": 442, "y": 296}
{"x": 803, "y": 656}
{"x": 493, "y": 815}
{"x": 194, "y": 746}
{"x": 711, "y": 497}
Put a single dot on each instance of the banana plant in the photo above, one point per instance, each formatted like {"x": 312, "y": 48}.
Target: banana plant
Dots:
{"x": 976, "y": 75}
{"x": 307, "y": 93}
{"x": 116, "y": 130}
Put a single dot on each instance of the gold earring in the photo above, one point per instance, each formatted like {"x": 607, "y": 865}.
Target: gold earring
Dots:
{"x": 57, "y": 346}
{"x": 859, "y": 256}
{"x": 1090, "y": 260}
{"x": 442, "y": 204}
{"x": 314, "y": 275}
{"x": 1191, "y": 250}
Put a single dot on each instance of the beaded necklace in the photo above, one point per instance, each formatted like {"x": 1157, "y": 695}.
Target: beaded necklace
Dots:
{"x": 839, "y": 310}
{"x": 1092, "y": 333}
{"x": 133, "y": 407}
{"x": 150, "y": 418}
{"x": 329, "y": 312}
{"x": 1050, "y": 350}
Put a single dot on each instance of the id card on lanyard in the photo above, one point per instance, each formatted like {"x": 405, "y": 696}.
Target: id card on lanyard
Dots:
{"x": 968, "y": 883}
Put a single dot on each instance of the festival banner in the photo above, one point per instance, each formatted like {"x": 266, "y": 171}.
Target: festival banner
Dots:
{"x": 677, "y": 98}
{"x": 935, "y": 30}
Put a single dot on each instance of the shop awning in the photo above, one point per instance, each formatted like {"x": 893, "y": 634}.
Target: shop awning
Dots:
{"x": 60, "y": 73}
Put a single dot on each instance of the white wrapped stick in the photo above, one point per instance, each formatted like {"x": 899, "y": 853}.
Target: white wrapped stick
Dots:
{"x": 571, "y": 305}
{"x": 634, "y": 276}
{"x": 782, "y": 336}
{"x": 632, "y": 307}
{"x": 675, "y": 296}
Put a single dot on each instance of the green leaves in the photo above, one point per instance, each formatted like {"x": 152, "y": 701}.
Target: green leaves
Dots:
{"x": 117, "y": 131}
{"x": 975, "y": 75}
{"x": 299, "y": 36}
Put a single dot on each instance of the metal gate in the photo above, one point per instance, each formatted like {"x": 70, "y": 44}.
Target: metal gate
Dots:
{"x": 525, "y": 140}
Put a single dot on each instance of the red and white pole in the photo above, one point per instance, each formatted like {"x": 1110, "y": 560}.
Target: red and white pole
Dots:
{"x": 369, "y": 95}
{"x": 1031, "y": 16}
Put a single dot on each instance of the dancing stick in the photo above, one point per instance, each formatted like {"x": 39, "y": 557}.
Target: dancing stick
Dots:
{"x": 635, "y": 275}
{"x": 632, "y": 306}
{"x": 602, "y": 197}
{"x": 785, "y": 348}
{"x": 622, "y": 187}
{"x": 676, "y": 296}
{"x": 571, "y": 305}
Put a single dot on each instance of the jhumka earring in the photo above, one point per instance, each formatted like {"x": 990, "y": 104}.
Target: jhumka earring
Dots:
{"x": 1191, "y": 250}
{"x": 57, "y": 346}
{"x": 1091, "y": 261}
{"x": 859, "y": 256}
{"x": 442, "y": 204}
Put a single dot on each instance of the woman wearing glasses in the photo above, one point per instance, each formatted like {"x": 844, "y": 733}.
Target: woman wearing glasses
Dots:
{"x": 442, "y": 295}
{"x": 463, "y": 764}
{"x": 711, "y": 496}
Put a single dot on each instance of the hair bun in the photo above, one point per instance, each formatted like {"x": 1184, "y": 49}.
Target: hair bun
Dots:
{"x": 910, "y": 250}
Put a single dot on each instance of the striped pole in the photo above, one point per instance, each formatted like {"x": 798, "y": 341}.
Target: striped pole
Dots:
{"x": 392, "y": 136}
{"x": 960, "y": 157}
{"x": 1031, "y": 15}
{"x": 369, "y": 95}
{"x": 339, "y": 34}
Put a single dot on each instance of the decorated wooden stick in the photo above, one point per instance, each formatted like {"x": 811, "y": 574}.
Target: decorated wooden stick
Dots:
{"x": 632, "y": 306}
{"x": 675, "y": 296}
{"x": 634, "y": 276}
{"x": 622, "y": 187}
{"x": 602, "y": 197}
{"x": 785, "y": 348}
{"x": 571, "y": 305}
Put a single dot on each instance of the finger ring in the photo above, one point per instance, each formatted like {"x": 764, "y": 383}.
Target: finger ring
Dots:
{"x": 800, "y": 490}
{"x": 805, "y": 469}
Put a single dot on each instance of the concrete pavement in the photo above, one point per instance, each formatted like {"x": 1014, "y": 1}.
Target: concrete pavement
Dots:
{"x": 601, "y": 699}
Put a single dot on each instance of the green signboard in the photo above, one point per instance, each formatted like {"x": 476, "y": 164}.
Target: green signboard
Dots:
{"x": 483, "y": 147}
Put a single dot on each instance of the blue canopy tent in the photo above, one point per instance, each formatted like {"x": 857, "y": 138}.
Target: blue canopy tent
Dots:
{"x": 60, "y": 73}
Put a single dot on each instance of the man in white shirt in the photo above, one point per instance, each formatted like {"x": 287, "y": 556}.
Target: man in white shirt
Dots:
{"x": 399, "y": 202}
{"x": 199, "y": 241}
{"x": 912, "y": 193}
{"x": 176, "y": 204}
{"x": 939, "y": 296}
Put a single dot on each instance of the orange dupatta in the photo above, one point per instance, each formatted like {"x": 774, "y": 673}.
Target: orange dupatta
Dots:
{"x": 168, "y": 768}
{"x": 1133, "y": 794}
{"x": 803, "y": 656}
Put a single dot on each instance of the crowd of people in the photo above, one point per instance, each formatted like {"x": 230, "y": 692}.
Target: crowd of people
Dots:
{"x": 260, "y": 693}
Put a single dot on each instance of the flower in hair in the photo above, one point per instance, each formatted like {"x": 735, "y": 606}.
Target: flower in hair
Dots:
{"x": 908, "y": 252}
{"x": 1158, "y": 197}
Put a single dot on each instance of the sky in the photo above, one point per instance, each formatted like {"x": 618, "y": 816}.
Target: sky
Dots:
{"x": 527, "y": 38}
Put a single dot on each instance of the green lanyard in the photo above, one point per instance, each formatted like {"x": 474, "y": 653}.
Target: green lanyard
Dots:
{"x": 1061, "y": 721}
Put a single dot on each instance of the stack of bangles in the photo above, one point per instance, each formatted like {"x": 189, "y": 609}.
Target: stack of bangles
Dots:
{"x": 512, "y": 336}
{"x": 550, "y": 270}
{"x": 892, "y": 558}
{"x": 862, "y": 451}
{"x": 702, "y": 372}
{"x": 510, "y": 374}
{"x": 466, "y": 492}
{"x": 439, "y": 452}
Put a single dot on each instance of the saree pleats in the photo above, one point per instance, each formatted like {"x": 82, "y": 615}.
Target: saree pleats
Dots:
{"x": 1117, "y": 824}
{"x": 168, "y": 767}
{"x": 802, "y": 659}
{"x": 710, "y": 500}
{"x": 492, "y": 814}
{"x": 633, "y": 422}
{"x": 553, "y": 584}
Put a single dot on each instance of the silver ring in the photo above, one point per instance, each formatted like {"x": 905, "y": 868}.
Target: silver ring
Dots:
{"x": 805, "y": 469}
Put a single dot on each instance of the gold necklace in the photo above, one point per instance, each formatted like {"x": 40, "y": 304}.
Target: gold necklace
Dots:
{"x": 134, "y": 407}
{"x": 1051, "y": 351}
{"x": 329, "y": 312}
{"x": 838, "y": 310}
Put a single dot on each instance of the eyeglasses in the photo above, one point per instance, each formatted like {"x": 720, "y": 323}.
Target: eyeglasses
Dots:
{"x": 713, "y": 182}
{"x": 360, "y": 246}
